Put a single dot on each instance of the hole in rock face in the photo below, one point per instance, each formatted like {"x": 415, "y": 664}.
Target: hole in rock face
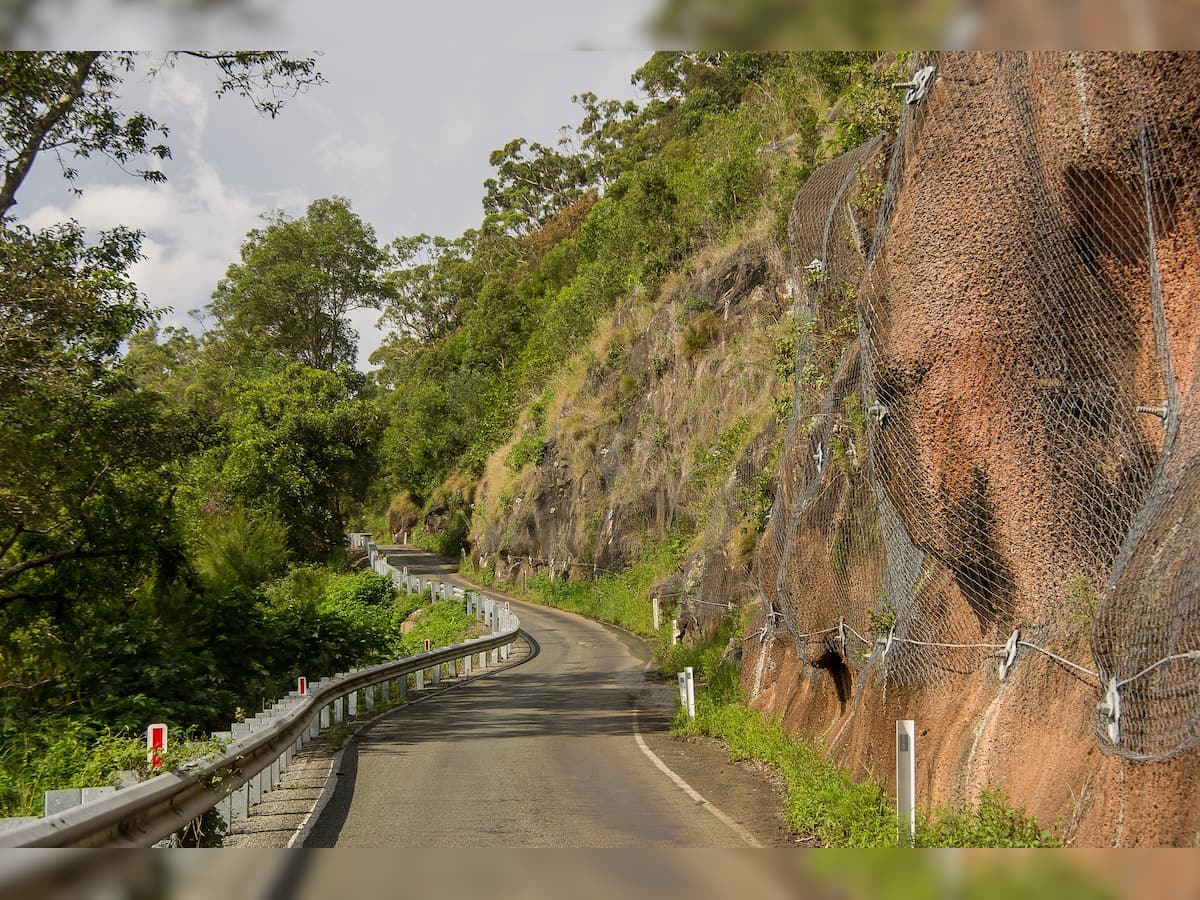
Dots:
{"x": 832, "y": 662}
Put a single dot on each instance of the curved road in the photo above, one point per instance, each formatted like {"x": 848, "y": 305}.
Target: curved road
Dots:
{"x": 540, "y": 755}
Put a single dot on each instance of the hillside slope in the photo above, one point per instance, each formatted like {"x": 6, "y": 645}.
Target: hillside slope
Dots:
{"x": 989, "y": 324}
{"x": 1025, "y": 358}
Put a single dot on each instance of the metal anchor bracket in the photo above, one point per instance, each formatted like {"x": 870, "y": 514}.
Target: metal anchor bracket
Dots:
{"x": 887, "y": 645}
{"x": 1010, "y": 654}
{"x": 1160, "y": 411}
{"x": 878, "y": 410}
{"x": 816, "y": 267}
{"x": 1110, "y": 711}
{"x": 916, "y": 89}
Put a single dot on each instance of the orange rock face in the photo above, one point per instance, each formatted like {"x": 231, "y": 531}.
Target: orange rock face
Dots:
{"x": 1006, "y": 445}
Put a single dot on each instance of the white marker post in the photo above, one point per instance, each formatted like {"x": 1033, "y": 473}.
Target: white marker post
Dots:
{"x": 655, "y": 611}
{"x": 682, "y": 689}
{"x": 674, "y": 632}
{"x": 690, "y": 678}
{"x": 906, "y": 780}
{"x": 156, "y": 744}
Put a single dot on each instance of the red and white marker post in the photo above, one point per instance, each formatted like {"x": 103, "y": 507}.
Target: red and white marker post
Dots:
{"x": 156, "y": 744}
{"x": 302, "y": 686}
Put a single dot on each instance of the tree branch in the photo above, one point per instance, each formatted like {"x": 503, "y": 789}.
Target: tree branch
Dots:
{"x": 15, "y": 173}
{"x": 17, "y": 532}
{"x": 57, "y": 556}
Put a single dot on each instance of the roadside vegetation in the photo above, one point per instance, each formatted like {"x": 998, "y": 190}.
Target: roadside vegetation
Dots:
{"x": 823, "y": 800}
{"x": 616, "y": 598}
{"x": 172, "y": 505}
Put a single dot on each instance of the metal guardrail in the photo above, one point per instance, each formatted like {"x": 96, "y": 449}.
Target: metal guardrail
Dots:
{"x": 149, "y": 812}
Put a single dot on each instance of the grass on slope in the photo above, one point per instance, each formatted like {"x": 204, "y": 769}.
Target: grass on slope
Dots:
{"x": 822, "y": 799}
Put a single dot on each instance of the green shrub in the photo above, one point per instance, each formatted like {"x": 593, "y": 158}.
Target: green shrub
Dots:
{"x": 443, "y": 622}
{"x": 991, "y": 822}
{"x": 525, "y": 451}
{"x": 366, "y": 588}
{"x": 699, "y": 333}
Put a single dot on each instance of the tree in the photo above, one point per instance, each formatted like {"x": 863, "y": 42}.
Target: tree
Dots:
{"x": 532, "y": 183}
{"x": 432, "y": 279}
{"x": 300, "y": 444}
{"x": 297, "y": 282}
{"x": 66, "y": 103}
{"x": 82, "y": 447}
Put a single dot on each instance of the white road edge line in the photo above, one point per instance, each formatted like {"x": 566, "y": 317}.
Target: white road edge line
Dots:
{"x": 305, "y": 828}
{"x": 739, "y": 830}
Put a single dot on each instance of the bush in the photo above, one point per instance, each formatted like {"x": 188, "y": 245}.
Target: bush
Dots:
{"x": 699, "y": 334}
{"x": 992, "y": 822}
{"x": 527, "y": 450}
{"x": 365, "y": 588}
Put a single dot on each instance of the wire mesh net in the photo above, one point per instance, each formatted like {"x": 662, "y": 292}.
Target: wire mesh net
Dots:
{"x": 996, "y": 393}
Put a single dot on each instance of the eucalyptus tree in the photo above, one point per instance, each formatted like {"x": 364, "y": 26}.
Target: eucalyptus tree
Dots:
{"x": 297, "y": 282}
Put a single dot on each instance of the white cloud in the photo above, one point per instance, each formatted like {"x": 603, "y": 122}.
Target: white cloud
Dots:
{"x": 342, "y": 156}
{"x": 194, "y": 227}
{"x": 171, "y": 93}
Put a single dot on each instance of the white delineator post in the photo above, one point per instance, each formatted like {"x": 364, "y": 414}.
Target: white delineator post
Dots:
{"x": 906, "y": 780}
{"x": 655, "y": 612}
{"x": 690, "y": 680}
{"x": 674, "y": 632}
{"x": 682, "y": 676}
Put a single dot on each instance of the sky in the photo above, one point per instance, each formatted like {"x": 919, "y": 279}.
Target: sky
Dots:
{"x": 402, "y": 128}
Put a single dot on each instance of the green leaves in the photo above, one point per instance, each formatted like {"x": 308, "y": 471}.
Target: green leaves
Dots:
{"x": 297, "y": 282}
{"x": 299, "y": 444}
{"x": 68, "y": 104}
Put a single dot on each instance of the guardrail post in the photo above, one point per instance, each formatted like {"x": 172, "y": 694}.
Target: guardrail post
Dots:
{"x": 352, "y": 704}
{"x": 452, "y": 669}
{"x": 255, "y": 784}
{"x": 482, "y": 660}
{"x": 436, "y": 673}
{"x": 385, "y": 691}
{"x": 60, "y": 800}
{"x": 237, "y": 804}
{"x": 420, "y": 680}
{"x": 337, "y": 711}
{"x": 241, "y": 798}
{"x": 467, "y": 665}
{"x": 402, "y": 685}
{"x": 369, "y": 697}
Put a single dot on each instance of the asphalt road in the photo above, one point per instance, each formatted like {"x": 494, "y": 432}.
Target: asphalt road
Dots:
{"x": 540, "y": 755}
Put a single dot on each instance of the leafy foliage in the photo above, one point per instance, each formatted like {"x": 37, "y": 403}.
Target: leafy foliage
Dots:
{"x": 297, "y": 282}
{"x": 67, "y": 103}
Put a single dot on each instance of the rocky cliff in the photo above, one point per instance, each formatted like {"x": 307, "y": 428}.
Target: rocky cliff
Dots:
{"x": 1020, "y": 394}
{"x": 983, "y": 503}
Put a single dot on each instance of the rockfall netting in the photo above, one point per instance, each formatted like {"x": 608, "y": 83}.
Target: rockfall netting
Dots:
{"x": 992, "y": 456}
